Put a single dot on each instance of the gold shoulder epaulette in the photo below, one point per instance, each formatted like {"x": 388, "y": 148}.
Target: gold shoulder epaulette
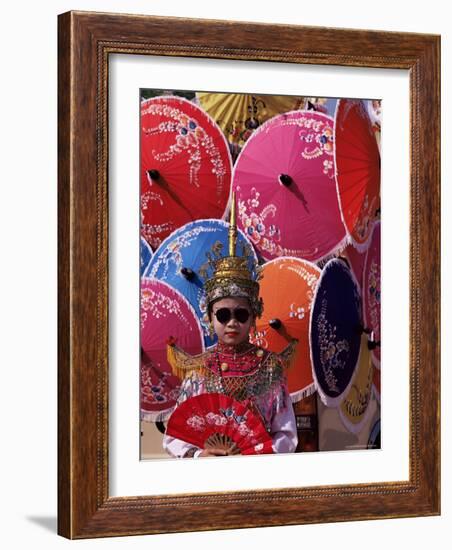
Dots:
{"x": 182, "y": 363}
{"x": 287, "y": 355}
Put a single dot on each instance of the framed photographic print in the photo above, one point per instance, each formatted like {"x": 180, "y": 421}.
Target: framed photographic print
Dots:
{"x": 223, "y": 192}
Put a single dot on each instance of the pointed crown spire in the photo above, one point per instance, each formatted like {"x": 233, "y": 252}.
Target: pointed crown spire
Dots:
{"x": 232, "y": 277}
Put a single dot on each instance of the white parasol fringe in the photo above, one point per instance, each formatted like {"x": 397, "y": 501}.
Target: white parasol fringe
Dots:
{"x": 363, "y": 247}
{"x": 301, "y": 394}
{"x": 338, "y": 249}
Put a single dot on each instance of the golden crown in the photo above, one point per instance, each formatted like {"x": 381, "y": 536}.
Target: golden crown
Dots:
{"x": 232, "y": 277}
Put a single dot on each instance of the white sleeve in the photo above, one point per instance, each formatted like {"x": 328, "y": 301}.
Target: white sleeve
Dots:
{"x": 177, "y": 447}
{"x": 284, "y": 429}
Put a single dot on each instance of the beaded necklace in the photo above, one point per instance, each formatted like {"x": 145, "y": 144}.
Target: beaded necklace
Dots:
{"x": 240, "y": 360}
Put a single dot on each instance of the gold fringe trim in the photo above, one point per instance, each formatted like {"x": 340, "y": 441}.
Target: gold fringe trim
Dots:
{"x": 182, "y": 363}
{"x": 287, "y": 355}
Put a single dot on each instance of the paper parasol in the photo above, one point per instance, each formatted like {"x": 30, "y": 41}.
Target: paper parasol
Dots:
{"x": 238, "y": 115}
{"x": 335, "y": 332}
{"x": 164, "y": 313}
{"x": 185, "y": 260}
{"x": 287, "y": 288}
{"x": 357, "y": 169}
{"x": 285, "y": 188}
{"x": 185, "y": 167}
{"x": 145, "y": 255}
{"x": 354, "y": 409}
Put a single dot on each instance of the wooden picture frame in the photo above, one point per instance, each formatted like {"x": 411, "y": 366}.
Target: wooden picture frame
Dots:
{"x": 85, "y": 42}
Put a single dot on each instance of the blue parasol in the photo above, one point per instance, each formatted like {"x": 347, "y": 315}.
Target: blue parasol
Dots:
{"x": 185, "y": 260}
{"x": 145, "y": 255}
{"x": 335, "y": 332}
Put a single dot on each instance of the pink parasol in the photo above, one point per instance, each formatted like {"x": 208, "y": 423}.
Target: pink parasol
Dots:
{"x": 185, "y": 167}
{"x": 285, "y": 187}
{"x": 358, "y": 169}
{"x": 165, "y": 313}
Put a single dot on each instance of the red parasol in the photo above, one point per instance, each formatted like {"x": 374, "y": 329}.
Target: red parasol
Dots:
{"x": 185, "y": 167}
{"x": 357, "y": 169}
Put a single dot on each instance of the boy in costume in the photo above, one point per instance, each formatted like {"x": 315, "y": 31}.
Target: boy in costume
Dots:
{"x": 235, "y": 367}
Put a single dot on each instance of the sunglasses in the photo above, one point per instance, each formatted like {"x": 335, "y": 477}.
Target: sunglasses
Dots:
{"x": 224, "y": 315}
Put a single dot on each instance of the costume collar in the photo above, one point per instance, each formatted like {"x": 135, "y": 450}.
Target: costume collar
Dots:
{"x": 231, "y": 349}
{"x": 242, "y": 360}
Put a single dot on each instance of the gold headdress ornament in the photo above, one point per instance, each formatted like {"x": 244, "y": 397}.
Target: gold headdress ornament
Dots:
{"x": 231, "y": 277}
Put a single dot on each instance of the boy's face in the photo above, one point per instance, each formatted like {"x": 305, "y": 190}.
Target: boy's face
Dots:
{"x": 232, "y": 332}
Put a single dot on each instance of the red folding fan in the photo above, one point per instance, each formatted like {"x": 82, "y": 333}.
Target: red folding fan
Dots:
{"x": 217, "y": 420}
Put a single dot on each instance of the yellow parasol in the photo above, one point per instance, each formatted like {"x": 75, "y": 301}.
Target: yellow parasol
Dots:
{"x": 238, "y": 115}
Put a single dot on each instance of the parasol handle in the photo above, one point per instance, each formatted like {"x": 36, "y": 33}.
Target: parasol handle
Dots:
{"x": 275, "y": 323}
{"x": 160, "y": 427}
{"x": 362, "y": 329}
{"x": 154, "y": 174}
{"x": 285, "y": 180}
{"x": 188, "y": 273}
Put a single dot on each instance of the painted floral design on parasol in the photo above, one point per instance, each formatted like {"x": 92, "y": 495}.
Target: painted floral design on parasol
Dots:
{"x": 335, "y": 332}
{"x": 372, "y": 292}
{"x": 214, "y": 419}
{"x": 285, "y": 187}
{"x": 354, "y": 409}
{"x": 358, "y": 170}
{"x": 374, "y": 110}
{"x": 185, "y": 260}
{"x": 164, "y": 313}
{"x": 185, "y": 167}
{"x": 287, "y": 288}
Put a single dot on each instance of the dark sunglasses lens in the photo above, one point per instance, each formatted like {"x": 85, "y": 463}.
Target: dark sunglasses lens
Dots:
{"x": 223, "y": 315}
{"x": 242, "y": 315}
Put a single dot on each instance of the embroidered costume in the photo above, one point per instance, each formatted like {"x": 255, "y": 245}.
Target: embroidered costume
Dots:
{"x": 249, "y": 374}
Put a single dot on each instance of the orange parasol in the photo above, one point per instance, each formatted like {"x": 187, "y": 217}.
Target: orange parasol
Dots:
{"x": 287, "y": 289}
